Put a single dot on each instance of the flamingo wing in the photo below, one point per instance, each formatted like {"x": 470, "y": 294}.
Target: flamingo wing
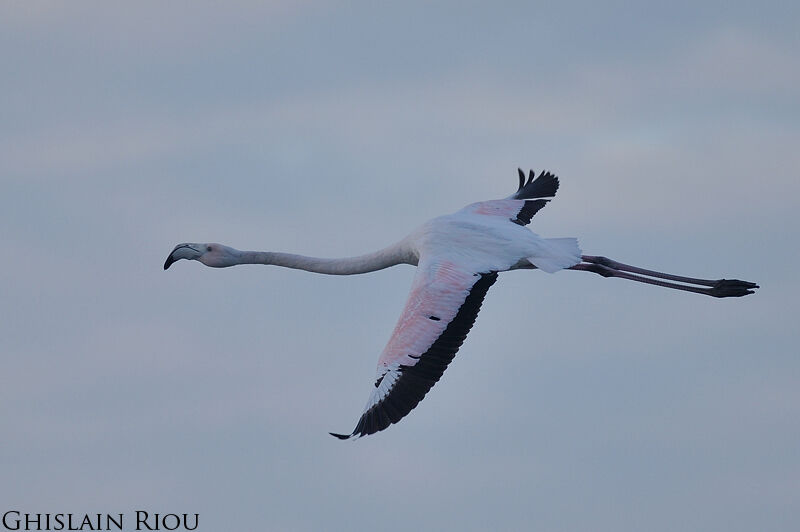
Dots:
{"x": 444, "y": 301}
{"x": 533, "y": 194}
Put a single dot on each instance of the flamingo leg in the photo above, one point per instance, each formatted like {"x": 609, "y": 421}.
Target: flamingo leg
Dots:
{"x": 715, "y": 287}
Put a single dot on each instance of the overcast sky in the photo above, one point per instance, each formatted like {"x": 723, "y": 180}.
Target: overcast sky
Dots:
{"x": 333, "y": 129}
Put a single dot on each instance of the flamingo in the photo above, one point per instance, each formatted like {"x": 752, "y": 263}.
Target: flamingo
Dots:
{"x": 458, "y": 257}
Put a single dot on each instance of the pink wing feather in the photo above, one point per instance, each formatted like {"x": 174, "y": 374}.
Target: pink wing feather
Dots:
{"x": 440, "y": 310}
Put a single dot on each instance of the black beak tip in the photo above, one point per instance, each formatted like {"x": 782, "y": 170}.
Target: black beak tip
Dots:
{"x": 169, "y": 262}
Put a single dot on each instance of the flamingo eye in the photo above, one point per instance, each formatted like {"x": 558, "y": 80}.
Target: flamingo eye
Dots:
{"x": 208, "y": 248}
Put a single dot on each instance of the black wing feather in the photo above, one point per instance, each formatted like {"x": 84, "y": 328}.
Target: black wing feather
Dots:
{"x": 530, "y": 208}
{"x": 544, "y": 186}
{"x": 416, "y": 381}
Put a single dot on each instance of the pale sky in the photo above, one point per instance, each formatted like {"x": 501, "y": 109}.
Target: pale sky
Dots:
{"x": 333, "y": 129}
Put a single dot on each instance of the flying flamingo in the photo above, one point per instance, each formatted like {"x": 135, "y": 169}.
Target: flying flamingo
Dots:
{"x": 458, "y": 257}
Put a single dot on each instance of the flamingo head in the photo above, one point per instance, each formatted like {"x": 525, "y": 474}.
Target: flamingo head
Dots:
{"x": 214, "y": 255}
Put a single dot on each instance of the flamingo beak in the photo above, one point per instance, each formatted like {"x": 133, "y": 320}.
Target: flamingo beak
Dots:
{"x": 169, "y": 261}
{"x": 181, "y": 251}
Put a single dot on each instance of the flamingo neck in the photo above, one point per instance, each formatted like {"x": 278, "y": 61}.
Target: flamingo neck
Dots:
{"x": 378, "y": 260}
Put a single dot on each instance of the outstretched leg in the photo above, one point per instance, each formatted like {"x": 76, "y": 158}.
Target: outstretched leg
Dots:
{"x": 716, "y": 288}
